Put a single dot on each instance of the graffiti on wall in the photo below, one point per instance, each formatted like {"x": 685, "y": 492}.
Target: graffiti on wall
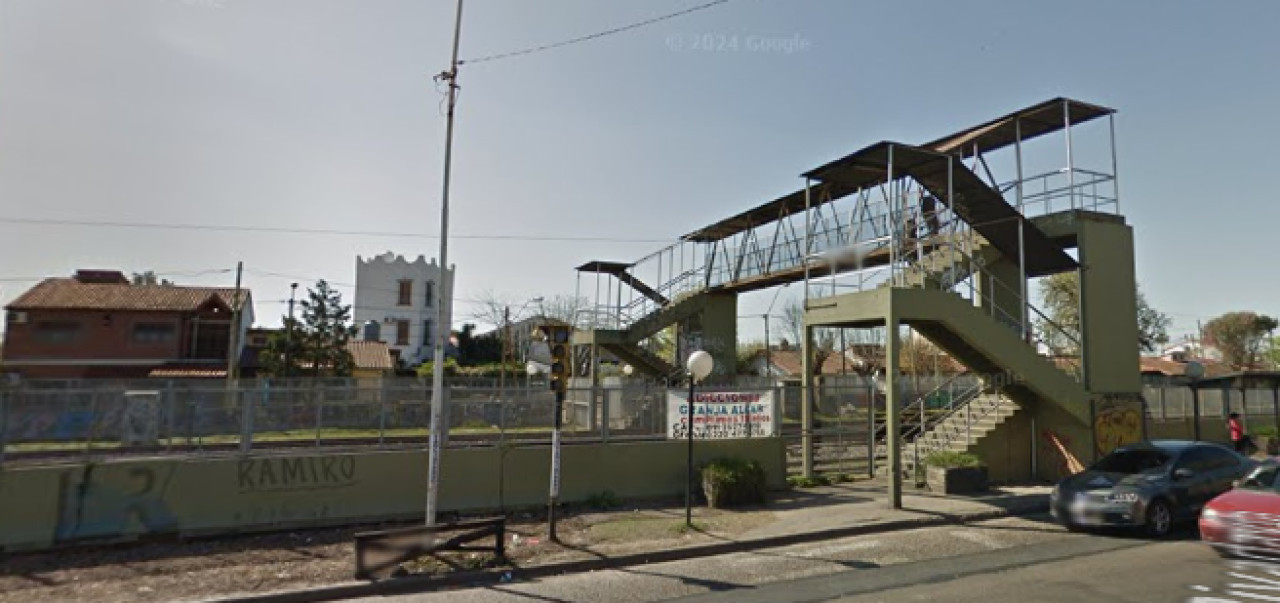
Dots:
{"x": 104, "y": 502}
{"x": 293, "y": 474}
{"x": 1117, "y": 421}
{"x": 91, "y": 507}
{"x": 1057, "y": 447}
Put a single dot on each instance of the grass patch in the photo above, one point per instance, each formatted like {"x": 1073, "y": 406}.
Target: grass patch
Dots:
{"x": 630, "y": 529}
{"x": 683, "y": 528}
{"x": 949, "y": 459}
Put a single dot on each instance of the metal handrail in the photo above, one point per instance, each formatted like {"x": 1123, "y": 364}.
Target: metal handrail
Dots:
{"x": 967, "y": 396}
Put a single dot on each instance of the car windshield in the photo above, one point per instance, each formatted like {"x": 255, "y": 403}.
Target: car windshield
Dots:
{"x": 1261, "y": 478}
{"x": 1132, "y": 461}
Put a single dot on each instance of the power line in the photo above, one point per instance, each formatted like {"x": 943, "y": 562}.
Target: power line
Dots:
{"x": 321, "y": 231}
{"x": 594, "y": 36}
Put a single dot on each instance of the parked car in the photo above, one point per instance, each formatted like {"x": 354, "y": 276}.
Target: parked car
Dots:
{"x": 1150, "y": 485}
{"x": 1246, "y": 521}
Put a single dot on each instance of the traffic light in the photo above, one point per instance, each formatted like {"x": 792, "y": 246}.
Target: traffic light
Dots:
{"x": 558, "y": 338}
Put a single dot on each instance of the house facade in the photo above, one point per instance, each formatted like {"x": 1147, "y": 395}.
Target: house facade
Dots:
{"x": 98, "y": 325}
{"x": 399, "y": 296}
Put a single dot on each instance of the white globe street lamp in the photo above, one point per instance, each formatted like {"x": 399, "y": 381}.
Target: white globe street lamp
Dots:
{"x": 700, "y": 364}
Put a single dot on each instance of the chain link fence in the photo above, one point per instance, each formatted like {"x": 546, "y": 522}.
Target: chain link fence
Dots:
{"x": 75, "y": 418}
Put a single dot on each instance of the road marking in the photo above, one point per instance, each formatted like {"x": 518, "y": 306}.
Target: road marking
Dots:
{"x": 979, "y": 538}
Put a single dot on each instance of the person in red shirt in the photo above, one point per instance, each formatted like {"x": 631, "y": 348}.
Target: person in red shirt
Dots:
{"x": 1238, "y": 438}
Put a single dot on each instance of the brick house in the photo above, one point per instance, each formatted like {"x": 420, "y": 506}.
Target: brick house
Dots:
{"x": 98, "y": 325}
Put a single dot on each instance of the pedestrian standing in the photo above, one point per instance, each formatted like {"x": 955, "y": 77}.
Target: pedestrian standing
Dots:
{"x": 1239, "y": 439}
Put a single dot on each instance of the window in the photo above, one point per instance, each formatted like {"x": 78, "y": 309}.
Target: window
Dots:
{"x": 406, "y": 293}
{"x": 426, "y": 333}
{"x": 153, "y": 332}
{"x": 57, "y": 332}
{"x": 1262, "y": 478}
{"x": 431, "y": 293}
{"x": 1203, "y": 459}
{"x": 1130, "y": 462}
{"x": 402, "y": 332}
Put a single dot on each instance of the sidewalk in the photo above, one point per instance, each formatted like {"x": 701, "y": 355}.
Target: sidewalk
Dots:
{"x": 619, "y": 538}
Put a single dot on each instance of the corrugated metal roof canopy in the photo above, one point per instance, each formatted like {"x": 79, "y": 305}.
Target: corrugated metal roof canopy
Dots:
{"x": 1030, "y": 122}
{"x": 604, "y": 267}
{"x": 983, "y": 207}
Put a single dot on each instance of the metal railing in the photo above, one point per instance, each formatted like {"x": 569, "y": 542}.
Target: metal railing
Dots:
{"x": 108, "y": 418}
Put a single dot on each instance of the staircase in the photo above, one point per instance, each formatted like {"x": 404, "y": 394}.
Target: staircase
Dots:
{"x": 949, "y": 263}
{"x": 625, "y": 343}
{"x": 959, "y": 431}
{"x": 640, "y": 358}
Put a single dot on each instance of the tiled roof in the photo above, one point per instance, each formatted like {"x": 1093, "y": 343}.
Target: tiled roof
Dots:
{"x": 371, "y": 355}
{"x": 70, "y": 294}
{"x": 1173, "y": 368}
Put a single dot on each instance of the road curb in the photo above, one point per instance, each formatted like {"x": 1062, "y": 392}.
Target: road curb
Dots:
{"x": 1015, "y": 506}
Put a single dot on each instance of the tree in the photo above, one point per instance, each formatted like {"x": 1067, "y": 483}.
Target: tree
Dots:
{"x": 1060, "y": 297}
{"x": 316, "y": 345}
{"x": 824, "y": 340}
{"x": 1153, "y": 326}
{"x": 149, "y": 278}
{"x": 1239, "y": 337}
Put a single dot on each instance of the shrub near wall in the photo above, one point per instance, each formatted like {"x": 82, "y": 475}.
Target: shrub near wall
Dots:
{"x": 733, "y": 482}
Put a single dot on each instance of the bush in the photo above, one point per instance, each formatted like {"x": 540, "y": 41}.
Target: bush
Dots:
{"x": 948, "y": 459}
{"x": 731, "y": 482}
{"x": 1266, "y": 432}
{"x": 427, "y": 368}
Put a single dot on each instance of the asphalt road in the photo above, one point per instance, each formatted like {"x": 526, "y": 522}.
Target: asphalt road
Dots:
{"x": 1029, "y": 559}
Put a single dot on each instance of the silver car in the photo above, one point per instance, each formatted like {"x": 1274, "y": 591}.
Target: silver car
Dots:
{"x": 1150, "y": 485}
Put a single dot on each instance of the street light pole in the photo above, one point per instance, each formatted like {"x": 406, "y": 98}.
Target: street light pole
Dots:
{"x": 442, "y": 330}
{"x": 699, "y": 365}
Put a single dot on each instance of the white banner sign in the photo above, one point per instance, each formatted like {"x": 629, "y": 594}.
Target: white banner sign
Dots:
{"x": 721, "y": 415}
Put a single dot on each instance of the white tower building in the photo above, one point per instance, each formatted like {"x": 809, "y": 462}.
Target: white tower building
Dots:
{"x": 400, "y": 297}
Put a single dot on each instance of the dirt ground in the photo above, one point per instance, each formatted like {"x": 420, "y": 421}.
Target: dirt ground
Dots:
{"x": 203, "y": 569}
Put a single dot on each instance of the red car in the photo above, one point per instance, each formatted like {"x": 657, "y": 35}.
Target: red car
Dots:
{"x": 1245, "y": 521}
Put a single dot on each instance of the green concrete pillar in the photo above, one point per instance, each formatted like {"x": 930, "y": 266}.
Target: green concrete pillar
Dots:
{"x": 714, "y": 330}
{"x": 806, "y": 403}
{"x": 1108, "y": 307}
{"x": 893, "y": 430}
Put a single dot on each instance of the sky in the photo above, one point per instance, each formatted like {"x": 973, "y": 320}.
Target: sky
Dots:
{"x": 322, "y": 115}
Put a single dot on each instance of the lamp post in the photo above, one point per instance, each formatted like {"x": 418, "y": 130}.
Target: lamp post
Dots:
{"x": 1194, "y": 371}
{"x": 699, "y": 364}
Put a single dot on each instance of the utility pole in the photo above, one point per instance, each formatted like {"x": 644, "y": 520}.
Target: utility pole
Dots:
{"x": 437, "y": 374}
{"x": 768, "y": 351}
{"x": 288, "y": 334}
{"x": 506, "y": 351}
{"x": 233, "y": 368}
{"x": 233, "y": 338}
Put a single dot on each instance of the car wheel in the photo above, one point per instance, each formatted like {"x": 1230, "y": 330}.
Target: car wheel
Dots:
{"x": 1159, "y": 519}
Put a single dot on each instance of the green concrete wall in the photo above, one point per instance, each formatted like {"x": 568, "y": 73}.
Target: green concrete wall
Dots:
{"x": 1108, "y": 307}
{"x": 1053, "y": 427}
{"x": 715, "y": 330}
{"x": 44, "y": 507}
{"x": 1007, "y": 450}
